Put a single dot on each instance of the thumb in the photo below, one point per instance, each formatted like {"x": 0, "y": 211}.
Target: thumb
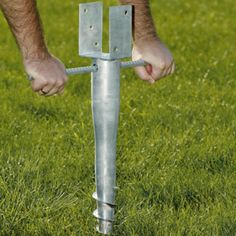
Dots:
{"x": 144, "y": 73}
{"x": 149, "y": 69}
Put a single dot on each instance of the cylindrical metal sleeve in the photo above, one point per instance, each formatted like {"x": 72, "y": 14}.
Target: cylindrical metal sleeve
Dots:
{"x": 105, "y": 106}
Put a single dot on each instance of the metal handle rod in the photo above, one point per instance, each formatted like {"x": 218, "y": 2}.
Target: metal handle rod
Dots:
{"x": 129, "y": 64}
{"x": 76, "y": 71}
{"x": 93, "y": 68}
{"x": 81, "y": 70}
{"x": 89, "y": 69}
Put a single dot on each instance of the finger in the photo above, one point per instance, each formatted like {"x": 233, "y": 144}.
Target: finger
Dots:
{"x": 157, "y": 73}
{"x": 53, "y": 88}
{"x": 148, "y": 68}
{"x": 47, "y": 89}
{"x": 152, "y": 81}
{"x": 173, "y": 68}
{"x": 149, "y": 71}
{"x": 61, "y": 84}
{"x": 168, "y": 71}
{"x": 41, "y": 93}
{"x": 61, "y": 92}
{"x": 143, "y": 74}
{"x": 60, "y": 89}
{"x": 53, "y": 91}
{"x": 38, "y": 84}
{"x": 65, "y": 79}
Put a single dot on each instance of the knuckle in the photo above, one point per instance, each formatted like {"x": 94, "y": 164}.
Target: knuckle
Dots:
{"x": 173, "y": 69}
{"x": 41, "y": 82}
{"x": 35, "y": 89}
{"x": 156, "y": 74}
{"x": 44, "y": 82}
{"x": 162, "y": 65}
{"x": 60, "y": 83}
{"x": 65, "y": 79}
{"x": 152, "y": 81}
{"x": 53, "y": 82}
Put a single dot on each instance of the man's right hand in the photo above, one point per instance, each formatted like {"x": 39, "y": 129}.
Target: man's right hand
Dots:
{"x": 159, "y": 59}
{"x": 48, "y": 75}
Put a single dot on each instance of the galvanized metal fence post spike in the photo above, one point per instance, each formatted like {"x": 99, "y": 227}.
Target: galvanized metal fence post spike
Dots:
{"x": 105, "y": 87}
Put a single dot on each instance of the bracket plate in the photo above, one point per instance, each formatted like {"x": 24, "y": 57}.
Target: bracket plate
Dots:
{"x": 91, "y": 26}
{"x": 90, "y": 29}
{"x": 120, "y": 31}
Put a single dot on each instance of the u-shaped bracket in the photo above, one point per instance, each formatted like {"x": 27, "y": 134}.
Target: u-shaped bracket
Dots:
{"x": 91, "y": 27}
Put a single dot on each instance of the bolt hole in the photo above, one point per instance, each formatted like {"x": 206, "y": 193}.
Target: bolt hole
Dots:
{"x": 126, "y": 12}
{"x": 96, "y": 44}
{"x": 115, "y": 49}
{"x": 85, "y": 10}
{"x": 91, "y": 27}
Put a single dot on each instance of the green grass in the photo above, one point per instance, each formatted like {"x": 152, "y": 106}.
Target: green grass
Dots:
{"x": 176, "y": 158}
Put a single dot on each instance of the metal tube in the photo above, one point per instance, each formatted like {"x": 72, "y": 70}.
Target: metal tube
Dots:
{"x": 105, "y": 88}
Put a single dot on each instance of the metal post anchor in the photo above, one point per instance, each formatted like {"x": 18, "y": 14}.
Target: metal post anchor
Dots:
{"x": 105, "y": 87}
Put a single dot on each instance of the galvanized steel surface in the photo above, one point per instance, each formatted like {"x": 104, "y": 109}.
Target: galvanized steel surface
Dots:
{"x": 105, "y": 86}
{"x": 90, "y": 28}
{"x": 120, "y": 31}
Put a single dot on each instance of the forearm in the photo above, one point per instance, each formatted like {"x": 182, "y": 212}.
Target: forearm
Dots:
{"x": 23, "y": 19}
{"x": 144, "y": 28}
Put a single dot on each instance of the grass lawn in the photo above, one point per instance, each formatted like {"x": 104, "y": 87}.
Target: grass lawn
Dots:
{"x": 176, "y": 154}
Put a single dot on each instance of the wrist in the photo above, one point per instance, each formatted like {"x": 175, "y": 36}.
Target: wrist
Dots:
{"x": 37, "y": 54}
{"x": 38, "y": 58}
{"x": 146, "y": 41}
{"x": 144, "y": 35}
